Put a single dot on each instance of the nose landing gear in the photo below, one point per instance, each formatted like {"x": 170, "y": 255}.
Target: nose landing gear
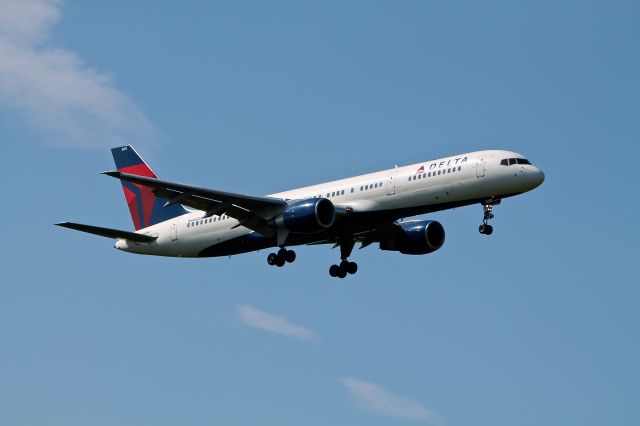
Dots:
{"x": 487, "y": 207}
{"x": 283, "y": 256}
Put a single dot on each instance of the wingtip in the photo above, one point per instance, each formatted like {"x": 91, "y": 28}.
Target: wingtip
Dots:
{"x": 112, "y": 173}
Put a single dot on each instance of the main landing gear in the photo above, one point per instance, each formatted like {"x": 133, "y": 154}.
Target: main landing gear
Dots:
{"x": 283, "y": 256}
{"x": 345, "y": 267}
{"x": 487, "y": 206}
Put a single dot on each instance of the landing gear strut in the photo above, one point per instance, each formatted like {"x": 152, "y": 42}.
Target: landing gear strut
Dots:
{"x": 345, "y": 267}
{"x": 487, "y": 206}
{"x": 283, "y": 256}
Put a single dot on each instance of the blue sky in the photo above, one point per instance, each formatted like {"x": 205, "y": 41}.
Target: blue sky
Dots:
{"x": 537, "y": 324}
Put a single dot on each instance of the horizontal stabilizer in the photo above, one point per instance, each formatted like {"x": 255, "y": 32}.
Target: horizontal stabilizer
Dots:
{"x": 108, "y": 232}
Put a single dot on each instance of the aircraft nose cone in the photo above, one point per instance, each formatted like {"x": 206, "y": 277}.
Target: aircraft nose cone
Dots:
{"x": 536, "y": 177}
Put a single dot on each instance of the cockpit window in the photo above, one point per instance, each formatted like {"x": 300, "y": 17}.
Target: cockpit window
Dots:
{"x": 512, "y": 161}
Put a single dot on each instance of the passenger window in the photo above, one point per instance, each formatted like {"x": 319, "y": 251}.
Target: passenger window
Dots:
{"x": 352, "y": 190}
{"x": 361, "y": 188}
{"x": 342, "y": 192}
{"x": 439, "y": 172}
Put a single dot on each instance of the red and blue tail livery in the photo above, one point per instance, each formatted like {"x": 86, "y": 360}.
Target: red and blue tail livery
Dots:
{"x": 146, "y": 209}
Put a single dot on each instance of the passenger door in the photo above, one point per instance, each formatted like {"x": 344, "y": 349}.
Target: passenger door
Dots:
{"x": 391, "y": 186}
{"x": 481, "y": 167}
{"x": 173, "y": 232}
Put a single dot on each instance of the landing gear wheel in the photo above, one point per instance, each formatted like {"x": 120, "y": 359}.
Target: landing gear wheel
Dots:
{"x": 487, "y": 207}
{"x": 272, "y": 259}
{"x": 342, "y": 273}
{"x": 280, "y": 262}
{"x": 290, "y": 256}
{"x": 334, "y": 270}
{"x": 486, "y": 229}
{"x": 349, "y": 267}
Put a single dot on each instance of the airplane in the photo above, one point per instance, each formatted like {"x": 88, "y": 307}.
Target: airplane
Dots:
{"x": 178, "y": 220}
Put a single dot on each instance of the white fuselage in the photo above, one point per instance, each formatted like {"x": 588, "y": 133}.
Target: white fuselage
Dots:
{"x": 422, "y": 187}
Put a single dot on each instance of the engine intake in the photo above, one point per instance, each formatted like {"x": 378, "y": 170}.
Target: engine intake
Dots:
{"x": 307, "y": 216}
{"x": 416, "y": 237}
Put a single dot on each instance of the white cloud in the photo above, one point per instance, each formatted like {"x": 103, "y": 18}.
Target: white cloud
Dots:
{"x": 273, "y": 323}
{"x": 53, "y": 90}
{"x": 372, "y": 397}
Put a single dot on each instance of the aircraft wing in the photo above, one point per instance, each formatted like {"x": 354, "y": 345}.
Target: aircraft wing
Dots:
{"x": 252, "y": 212}
{"x": 108, "y": 232}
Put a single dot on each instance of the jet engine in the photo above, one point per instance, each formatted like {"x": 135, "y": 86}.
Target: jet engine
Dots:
{"x": 307, "y": 216}
{"x": 415, "y": 237}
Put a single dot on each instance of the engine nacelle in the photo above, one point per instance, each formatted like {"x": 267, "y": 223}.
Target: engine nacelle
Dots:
{"x": 307, "y": 216}
{"x": 416, "y": 237}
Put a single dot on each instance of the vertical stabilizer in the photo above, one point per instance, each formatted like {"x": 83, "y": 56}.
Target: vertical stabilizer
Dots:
{"x": 146, "y": 209}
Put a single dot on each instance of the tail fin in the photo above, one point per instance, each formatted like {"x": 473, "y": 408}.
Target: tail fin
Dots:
{"x": 146, "y": 209}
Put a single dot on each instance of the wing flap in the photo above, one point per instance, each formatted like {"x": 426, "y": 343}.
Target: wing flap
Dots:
{"x": 108, "y": 232}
